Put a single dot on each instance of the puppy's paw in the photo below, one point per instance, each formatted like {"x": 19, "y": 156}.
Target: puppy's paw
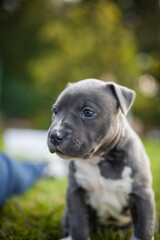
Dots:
{"x": 67, "y": 238}
{"x": 134, "y": 238}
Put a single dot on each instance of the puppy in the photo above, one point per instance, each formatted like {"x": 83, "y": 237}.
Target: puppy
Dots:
{"x": 109, "y": 178}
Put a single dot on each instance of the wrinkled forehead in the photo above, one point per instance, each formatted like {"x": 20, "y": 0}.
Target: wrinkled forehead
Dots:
{"x": 92, "y": 92}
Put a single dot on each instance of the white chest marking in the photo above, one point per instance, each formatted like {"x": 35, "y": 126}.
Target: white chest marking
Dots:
{"x": 106, "y": 196}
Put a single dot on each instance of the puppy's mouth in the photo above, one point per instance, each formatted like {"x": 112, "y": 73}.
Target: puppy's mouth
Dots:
{"x": 69, "y": 155}
{"x": 60, "y": 153}
{"x": 65, "y": 156}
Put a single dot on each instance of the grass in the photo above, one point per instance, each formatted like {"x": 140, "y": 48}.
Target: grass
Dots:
{"x": 37, "y": 214}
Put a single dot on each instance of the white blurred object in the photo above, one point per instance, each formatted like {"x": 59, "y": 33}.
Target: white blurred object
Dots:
{"x": 31, "y": 145}
{"x": 57, "y": 168}
{"x": 26, "y": 143}
{"x": 148, "y": 85}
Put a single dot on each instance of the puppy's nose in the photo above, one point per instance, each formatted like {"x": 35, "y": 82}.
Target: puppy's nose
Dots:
{"x": 56, "y": 137}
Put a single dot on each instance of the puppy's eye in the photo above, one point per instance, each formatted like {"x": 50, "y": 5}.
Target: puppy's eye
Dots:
{"x": 55, "y": 110}
{"x": 88, "y": 113}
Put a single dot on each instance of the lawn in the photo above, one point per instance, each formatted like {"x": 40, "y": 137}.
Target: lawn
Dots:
{"x": 37, "y": 214}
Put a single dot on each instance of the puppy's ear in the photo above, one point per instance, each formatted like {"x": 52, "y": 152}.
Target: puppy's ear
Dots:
{"x": 124, "y": 96}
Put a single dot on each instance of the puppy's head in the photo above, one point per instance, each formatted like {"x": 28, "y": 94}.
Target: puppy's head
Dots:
{"x": 86, "y": 117}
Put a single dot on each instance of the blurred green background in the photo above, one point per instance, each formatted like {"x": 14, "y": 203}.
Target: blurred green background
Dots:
{"x": 46, "y": 43}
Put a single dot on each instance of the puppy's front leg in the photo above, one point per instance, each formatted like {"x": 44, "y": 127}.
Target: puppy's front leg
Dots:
{"x": 77, "y": 212}
{"x": 143, "y": 214}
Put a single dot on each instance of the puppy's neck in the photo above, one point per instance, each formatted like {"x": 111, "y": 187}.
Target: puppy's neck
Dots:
{"x": 108, "y": 146}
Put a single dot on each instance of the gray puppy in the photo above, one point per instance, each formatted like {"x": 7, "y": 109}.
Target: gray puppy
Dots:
{"x": 109, "y": 178}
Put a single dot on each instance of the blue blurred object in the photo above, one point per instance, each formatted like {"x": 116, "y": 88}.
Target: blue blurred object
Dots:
{"x": 17, "y": 177}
